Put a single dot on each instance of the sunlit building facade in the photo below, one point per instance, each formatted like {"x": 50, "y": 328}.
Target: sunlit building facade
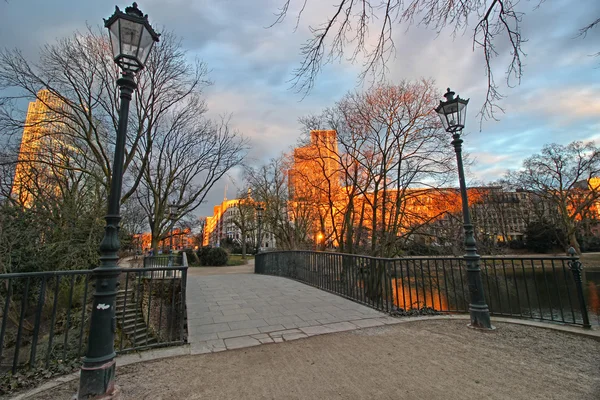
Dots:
{"x": 39, "y": 151}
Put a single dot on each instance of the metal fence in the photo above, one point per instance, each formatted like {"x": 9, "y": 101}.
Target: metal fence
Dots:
{"x": 45, "y": 315}
{"x": 164, "y": 260}
{"x": 541, "y": 288}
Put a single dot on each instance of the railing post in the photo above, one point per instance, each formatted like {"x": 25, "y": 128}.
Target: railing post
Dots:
{"x": 575, "y": 267}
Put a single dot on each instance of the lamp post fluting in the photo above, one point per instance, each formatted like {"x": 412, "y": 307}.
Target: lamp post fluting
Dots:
{"x": 259, "y": 217}
{"x": 132, "y": 38}
{"x": 452, "y": 113}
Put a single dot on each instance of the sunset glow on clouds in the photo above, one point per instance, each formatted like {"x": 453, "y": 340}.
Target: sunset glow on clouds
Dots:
{"x": 557, "y": 101}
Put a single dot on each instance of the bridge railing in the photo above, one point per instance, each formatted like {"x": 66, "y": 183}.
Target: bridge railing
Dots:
{"x": 540, "y": 288}
{"x": 45, "y": 315}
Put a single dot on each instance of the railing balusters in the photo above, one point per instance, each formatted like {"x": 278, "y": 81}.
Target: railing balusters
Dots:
{"x": 68, "y": 322}
{"x": 83, "y": 302}
{"x": 516, "y": 288}
{"x": 52, "y": 322}
{"x": 560, "y": 306}
{"x": 537, "y": 291}
{"x": 35, "y": 287}
{"x": 5, "y": 315}
{"x": 547, "y": 291}
{"x": 36, "y": 324}
{"x": 372, "y": 281}
{"x": 20, "y": 329}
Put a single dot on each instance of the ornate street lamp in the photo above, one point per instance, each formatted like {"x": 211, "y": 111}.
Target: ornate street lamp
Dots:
{"x": 132, "y": 38}
{"x": 173, "y": 208}
{"x": 259, "y": 216}
{"x": 452, "y": 113}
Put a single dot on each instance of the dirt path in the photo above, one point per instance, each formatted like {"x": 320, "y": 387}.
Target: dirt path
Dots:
{"x": 419, "y": 360}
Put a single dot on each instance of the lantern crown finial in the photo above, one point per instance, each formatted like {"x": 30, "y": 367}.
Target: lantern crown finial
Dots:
{"x": 134, "y": 10}
{"x": 449, "y": 95}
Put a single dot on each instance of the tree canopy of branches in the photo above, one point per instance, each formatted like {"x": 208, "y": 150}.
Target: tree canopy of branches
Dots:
{"x": 288, "y": 221}
{"x": 391, "y": 151}
{"x": 562, "y": 177}
{"x": 173, "y": 152}
{"x": 347, "y": 30}
{"x": 188, "y": 156}
{"x": 80, "y": 75}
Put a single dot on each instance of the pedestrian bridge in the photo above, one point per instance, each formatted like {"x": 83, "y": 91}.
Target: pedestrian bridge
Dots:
{"x": 230, "y": 311}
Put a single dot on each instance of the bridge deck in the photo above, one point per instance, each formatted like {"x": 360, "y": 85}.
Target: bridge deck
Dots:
{"x": 240, "y": 310}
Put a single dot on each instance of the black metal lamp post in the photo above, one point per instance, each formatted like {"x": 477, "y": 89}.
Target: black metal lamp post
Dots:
{"x": 132, "y": 38}
{"x": 259, "y": 216}
{"x": 172, "y": 216}
{"x": 452, "y": 112}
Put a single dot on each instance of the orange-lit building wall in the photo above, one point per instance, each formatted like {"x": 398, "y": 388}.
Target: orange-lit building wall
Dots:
{"x": 41, "y": 126}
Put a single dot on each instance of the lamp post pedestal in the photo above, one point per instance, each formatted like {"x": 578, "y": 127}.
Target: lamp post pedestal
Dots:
{"x": 98, "y": 371}
{"x": 478, "y": 309}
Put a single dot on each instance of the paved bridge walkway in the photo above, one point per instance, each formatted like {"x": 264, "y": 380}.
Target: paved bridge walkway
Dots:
{"x": 234, "y": 310}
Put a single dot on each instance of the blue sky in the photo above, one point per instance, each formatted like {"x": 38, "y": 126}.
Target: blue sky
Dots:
{"x": 557, "y": 101}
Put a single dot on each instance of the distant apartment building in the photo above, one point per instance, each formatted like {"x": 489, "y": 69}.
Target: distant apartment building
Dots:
{"x": 40, "y": 152}
{"x": 430, "y": 214}
{"x": 225, "y": 224}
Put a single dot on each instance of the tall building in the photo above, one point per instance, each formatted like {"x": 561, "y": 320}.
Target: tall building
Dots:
{"x": 222, "y": 225}
{"x": 40, "y": 147}
{"x": 316, "y": 170}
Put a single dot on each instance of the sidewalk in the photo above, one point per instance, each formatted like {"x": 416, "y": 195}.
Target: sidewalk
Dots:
{"x": 438, "y": 359}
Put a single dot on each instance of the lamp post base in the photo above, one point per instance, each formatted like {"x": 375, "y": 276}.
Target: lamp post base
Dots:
{"x": 480, "y": 318}
{"x": 98, "y": 379}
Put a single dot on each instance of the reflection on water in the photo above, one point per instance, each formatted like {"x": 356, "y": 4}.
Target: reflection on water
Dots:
{"x": 541, "y": 294}
{"x": 408, "y": 297}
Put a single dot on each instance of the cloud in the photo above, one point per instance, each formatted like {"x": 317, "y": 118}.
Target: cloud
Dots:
{"x": 251, "y": 67}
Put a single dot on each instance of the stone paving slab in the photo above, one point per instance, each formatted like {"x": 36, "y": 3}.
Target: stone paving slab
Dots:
{"x": 241, "y": 310}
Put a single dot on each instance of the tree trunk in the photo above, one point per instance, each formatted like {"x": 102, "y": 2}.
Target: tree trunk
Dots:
{"x": 574, "y": 242}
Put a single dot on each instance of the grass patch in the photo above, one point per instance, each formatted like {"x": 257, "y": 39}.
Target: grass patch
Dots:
{"x": 236, "y": 259}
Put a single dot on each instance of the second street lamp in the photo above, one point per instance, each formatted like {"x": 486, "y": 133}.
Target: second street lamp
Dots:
{"x": 132, "y": 38}
{"x": 452, "y": 112}
{"x": 172, "y": 217}
{"x": 259, "y": 216}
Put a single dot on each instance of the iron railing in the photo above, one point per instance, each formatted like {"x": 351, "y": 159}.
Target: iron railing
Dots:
{"x": 164, "y": 260}
{"x": 45, "y": 315}
{"x": 540, "y": 288}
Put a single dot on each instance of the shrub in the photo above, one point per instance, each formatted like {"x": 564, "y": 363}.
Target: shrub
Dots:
{"x": 217, "y": 257}
{"x": 202, "y": 254}
{"x": 214, "y": 256}
{"x": 516, "y": 244}
{"x": 542, "y": 236}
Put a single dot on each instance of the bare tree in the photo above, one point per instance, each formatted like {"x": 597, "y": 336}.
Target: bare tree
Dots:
{"x": 244, "y": 218}
{"x": 345, "y": 32}
{"x": 392, "y": 150}
{"x": 80, "y": 76}
{"x": 188, "y": 155}
{"x": 289, "y": 221}
{"x": 566, "y": 178}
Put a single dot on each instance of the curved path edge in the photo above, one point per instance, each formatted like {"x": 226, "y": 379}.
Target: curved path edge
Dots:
{"x": 158, "y": 354}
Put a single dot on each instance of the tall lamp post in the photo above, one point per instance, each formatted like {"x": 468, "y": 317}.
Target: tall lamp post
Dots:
{"x": 173, "y": 208}
{"x": 452, "y": 112}
{"x": 259, "y": 216}
{"x": 132, "y": 38}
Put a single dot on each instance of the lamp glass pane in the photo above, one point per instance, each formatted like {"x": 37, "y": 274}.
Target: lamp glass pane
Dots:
{"x": 462, "y": 114}
{"x": 114, "y": 38}
{"x": 146, "y": 44}
{"x": 444, "y": 120}
{"x": 130, "y": 37}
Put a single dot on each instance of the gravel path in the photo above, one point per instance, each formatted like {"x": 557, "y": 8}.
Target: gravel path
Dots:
{"x": 418, "y": 360}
